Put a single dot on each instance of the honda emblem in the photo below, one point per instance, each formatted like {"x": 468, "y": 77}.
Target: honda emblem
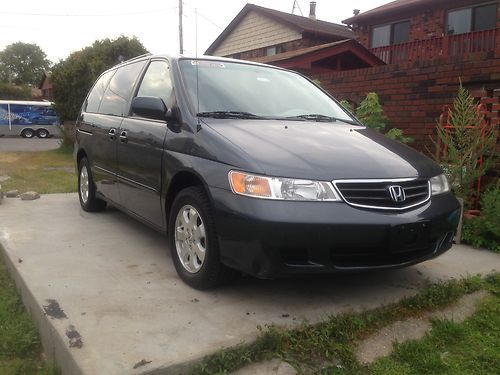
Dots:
{"x": 397, "y": 193}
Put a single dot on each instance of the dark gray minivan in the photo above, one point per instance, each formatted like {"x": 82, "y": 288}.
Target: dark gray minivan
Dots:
{"x": 253, "y": 168}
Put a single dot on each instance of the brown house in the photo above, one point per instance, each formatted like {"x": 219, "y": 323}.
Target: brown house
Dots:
{"x": 301, "y": 43}
{"x": 429, "y": 47}
{"x": 46, "y": 87}
{"x": 424, "y": 29}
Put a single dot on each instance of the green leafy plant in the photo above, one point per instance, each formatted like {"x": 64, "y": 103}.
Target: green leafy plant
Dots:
{"x": 484, "y": 230}
{"x": 371, "y": 114}
{"x": 469, "y": 140}
{"x": 347, "y": 105}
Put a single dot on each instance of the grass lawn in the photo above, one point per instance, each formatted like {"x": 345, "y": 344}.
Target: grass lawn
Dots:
{"x": 472, "y": 347}
{"x": 44, "y": 172}
{"x": 20, "y": 349}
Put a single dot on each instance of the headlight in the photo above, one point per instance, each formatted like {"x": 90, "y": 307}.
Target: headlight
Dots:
{"x": 281, "y": 188}
{"x": 439, "y": 185}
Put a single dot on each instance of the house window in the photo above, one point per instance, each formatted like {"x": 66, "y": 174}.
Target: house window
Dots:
{"x": 274, "y": 50}
{"x": 394, "y": 33}
{"x": 465, "y": 20}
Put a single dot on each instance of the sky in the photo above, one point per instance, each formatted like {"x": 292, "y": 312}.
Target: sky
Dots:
{"x": 60, "y": 27}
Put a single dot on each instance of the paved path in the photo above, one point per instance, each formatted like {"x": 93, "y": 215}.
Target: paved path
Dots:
{"x": 119, "y": 291}
{"x": 11, "y": 144}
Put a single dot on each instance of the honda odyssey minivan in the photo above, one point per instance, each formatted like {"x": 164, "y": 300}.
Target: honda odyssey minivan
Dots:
{"x": 255, "y": 169}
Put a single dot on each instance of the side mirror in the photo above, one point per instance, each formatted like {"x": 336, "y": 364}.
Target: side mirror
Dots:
{"x": 150, "y": 107}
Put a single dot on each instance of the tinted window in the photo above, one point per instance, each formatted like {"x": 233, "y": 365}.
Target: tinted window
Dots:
{"x": 485, "y": 17}
{"x": 95, "y": 96}
{"x": 401, "y": 32}
{"x": 120, "y": 89}
{"x": 156, "y": 82}
{"x": 381, "y": 36}
{"x": 224, "y": 86}
{"x": 459, "y": 21}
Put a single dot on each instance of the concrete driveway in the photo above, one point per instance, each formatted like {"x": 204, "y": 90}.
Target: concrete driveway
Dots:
{"x": 112, "y": 297}
{"x": 14, "y": 144}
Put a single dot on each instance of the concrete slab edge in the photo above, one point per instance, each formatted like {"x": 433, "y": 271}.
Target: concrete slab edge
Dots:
{"x": 55, "y": 348}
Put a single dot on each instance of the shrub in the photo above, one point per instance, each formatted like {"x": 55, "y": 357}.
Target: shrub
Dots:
{"x": 484, "y": 230}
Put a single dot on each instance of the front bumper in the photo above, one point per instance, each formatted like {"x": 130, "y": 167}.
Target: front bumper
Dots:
{"x": 268, "y": 238}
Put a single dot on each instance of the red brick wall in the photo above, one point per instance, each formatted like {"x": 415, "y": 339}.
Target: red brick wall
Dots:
{"x": 424, "y": 24}
{"x": 413, "y": 94}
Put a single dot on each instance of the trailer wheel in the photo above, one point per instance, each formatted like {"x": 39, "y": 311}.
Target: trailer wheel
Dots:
{"x": 42, "y": 133}
{"x": 27, "y": 133}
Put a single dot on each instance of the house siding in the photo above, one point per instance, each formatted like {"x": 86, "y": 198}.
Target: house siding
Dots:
{"x": 256, "y": 31}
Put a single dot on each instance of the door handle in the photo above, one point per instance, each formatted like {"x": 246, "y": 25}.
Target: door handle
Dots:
{"x": 112, "y": 134}
{"x": 123, "y": 137}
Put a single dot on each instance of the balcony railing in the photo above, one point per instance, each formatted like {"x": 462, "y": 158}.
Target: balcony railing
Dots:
{"x": 462, "y": 45}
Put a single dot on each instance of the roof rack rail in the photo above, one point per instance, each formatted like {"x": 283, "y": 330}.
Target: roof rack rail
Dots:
{"x": 133, "y": 59}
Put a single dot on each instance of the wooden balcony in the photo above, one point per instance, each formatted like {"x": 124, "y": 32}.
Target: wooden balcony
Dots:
{"x": 476, "y": 44}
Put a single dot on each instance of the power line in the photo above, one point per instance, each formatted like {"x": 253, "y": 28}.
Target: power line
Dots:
{"x": 85, "y": 15}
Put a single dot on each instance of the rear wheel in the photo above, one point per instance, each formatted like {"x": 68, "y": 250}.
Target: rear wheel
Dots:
{"x": 42, "y": 133}
{"x": 86, "y": 189}
{"x": 27, "y": 133}
{"x": 193, "y": 241}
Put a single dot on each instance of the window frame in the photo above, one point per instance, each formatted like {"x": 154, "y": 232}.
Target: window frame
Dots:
{"x": 472, "y": 7}
{"x": 391, "y": 36}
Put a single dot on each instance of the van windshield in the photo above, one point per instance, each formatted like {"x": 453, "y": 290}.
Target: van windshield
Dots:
{"x": 227, "y": 89}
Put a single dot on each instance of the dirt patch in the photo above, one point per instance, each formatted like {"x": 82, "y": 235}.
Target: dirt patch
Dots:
{"x": 75, "y": 339}
{"x": 54, "y": 310}
{"x": 6, "y": 157}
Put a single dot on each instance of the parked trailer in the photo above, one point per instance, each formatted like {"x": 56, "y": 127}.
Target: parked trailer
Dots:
{"x": 28, "y": 119}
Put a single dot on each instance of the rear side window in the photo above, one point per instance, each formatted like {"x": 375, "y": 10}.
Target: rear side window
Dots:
{"x": 95, "y": 96}
{"x": 156, "y": 82}
{"x": 120, "y": 88}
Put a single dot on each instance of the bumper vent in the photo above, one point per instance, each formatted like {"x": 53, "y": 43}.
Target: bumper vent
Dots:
{"x": 398, "y": 194}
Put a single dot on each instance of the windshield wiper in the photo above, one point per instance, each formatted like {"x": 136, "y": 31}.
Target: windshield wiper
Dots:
{"x": 229, "y": 114}
{"x": 319, "y": 118}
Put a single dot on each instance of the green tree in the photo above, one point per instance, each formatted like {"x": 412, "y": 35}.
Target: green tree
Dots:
{"x": 23, "y": 63}
{"x": 466, "y": 142}
{"x": 73, "y": 77}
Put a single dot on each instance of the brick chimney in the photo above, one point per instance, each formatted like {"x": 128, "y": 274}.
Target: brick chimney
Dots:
{"x": 312, "y": 10}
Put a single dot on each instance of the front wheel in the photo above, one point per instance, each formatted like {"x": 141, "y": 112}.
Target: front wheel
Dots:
{"x": 86, "y": 189}
{"x": 193, "y": 241}
{"x": 27, "y": 133}
{"x": 42, "y": 133}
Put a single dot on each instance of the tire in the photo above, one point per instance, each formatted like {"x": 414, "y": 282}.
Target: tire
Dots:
{"x": 86, "y": 189}
{"x": 42, "y": 133}
{"x": 185, "y": 237}
{"x": 27, "y": 133}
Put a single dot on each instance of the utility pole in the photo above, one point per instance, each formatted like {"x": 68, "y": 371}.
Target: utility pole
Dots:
{"x": 181, "y": 47}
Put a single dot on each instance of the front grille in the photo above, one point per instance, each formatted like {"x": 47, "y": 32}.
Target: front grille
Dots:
{"x": 376, "y": 193}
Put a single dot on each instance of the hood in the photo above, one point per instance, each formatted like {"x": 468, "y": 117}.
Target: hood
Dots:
{"x": 321, "y": 151}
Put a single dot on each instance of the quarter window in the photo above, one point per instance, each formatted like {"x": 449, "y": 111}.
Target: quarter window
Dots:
{"x": 465, "y": 20}
{"x": 95, "y": 96}
{"x": 120, "y": 88}
{"x": 395, "y": 33}
{"x": 156, "y": 82}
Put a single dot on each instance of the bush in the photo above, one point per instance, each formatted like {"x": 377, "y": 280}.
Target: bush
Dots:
{"x": 11, "y": 92}
{"x": 484, "y": 230}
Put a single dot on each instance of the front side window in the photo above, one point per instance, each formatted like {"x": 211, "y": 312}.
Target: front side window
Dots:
{"x": 395, "y": 33}
{"x": 460, "y": 21}
{"x": 216, "y": 86}
{"x": 119, "y": 91}
{"x": 156, "y": 82}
